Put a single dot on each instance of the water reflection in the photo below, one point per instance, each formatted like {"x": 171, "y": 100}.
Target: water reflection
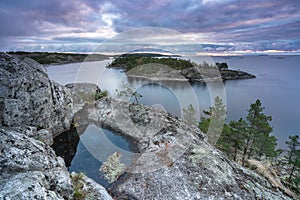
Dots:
{"x": 87, "y": 154}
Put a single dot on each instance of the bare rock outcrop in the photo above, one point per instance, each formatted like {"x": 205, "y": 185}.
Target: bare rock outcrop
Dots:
{"x": 173, "y": 160}
{"x": 33, "y": 110}
{"x": 82, "y": 94}
{"x": 28, "y": 97}
{"x": 29, "y": 169}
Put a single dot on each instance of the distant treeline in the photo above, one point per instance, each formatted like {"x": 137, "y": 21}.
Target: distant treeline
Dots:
{"x": 59, "y": 58}
{"x": 129, "y": 61}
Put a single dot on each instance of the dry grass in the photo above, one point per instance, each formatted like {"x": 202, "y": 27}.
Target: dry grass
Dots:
{"x": 270, "y": 175}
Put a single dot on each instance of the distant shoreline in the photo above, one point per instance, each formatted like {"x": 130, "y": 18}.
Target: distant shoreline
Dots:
{"x": 47, "y": 59}
{"x": 191, "y": 74}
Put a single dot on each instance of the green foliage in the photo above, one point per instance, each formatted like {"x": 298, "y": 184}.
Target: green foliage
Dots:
{"x": 224, "y": 143}
{"x": 204, "y": 124}
{"x": 79, "y": 192}
{"x": 101, "y": 94}
{"x": 213, "y": 122}
{"x": 293, "y": 144}
{"x": 294, "y": 156}
{"x": 59, "y": 58}
{"x": 189, "y": 115}
{"x": 231, "y": 140}
{"x": 259, "y": 140}
{"x": 222, "y": 65}
{"x": 248, "y": 137}
{"x": 128, "y": 62}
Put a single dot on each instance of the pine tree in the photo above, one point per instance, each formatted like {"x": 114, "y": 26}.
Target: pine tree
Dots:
{"x": 189, "y": 115}
{"x": 259, "y": 141}
{"x": 213, "y": 123}
{"x": 239, "y": 131}
{"x": 293, "y": 145}
{"x": 224, "y": 142}
{"x": 293, "y": 154}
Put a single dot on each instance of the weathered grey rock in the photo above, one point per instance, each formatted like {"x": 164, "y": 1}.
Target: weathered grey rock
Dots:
{"x": 29, "y": 169}
{"x": 45, "y": 136}
{"x": 174, "y": 161}
{"x": 28, "y": 97}
{"x": 82, "y": 93}
{"x": 42, "y": 135}
{"x": 93, "y": 190}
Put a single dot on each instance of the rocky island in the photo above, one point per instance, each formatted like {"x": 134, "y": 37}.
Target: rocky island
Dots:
{"x": 173, "y": 158}
{"x": 172, "y": 68}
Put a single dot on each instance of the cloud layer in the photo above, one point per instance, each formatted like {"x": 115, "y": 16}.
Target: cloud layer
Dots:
{"x": 221, "y": 25}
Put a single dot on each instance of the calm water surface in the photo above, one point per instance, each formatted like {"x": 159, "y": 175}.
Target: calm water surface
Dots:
{"x": 94, "y": 147}
{"x": 277, "y": 85}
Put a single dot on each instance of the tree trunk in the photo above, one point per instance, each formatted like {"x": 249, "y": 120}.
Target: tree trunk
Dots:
{"x": 136, "y": 99}
{"x": 245, "y": 152}
{"x": 292, "y": 172}
{"x": 236, "y": 145}
{"x": 251, "y": 149}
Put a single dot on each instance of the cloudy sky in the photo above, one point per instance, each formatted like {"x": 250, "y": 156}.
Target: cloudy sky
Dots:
{"x": 222, "y": 26}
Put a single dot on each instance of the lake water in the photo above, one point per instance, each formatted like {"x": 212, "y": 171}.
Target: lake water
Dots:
{"x": 277, "y": 85}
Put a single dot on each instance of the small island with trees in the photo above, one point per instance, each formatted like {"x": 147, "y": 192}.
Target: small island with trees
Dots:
{"x": 161, "y": 67}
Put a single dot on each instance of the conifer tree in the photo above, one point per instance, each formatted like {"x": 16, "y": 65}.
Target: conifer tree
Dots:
{"x": 213, "y": 122}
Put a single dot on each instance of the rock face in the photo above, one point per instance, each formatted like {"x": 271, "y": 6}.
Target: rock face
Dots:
{"x": 82, "y": 93}
{"x": 33, "y": 110}
{"x": 30, "y": 169}
{"x": 28, "y": 97}
{"x": 174, "y": 161}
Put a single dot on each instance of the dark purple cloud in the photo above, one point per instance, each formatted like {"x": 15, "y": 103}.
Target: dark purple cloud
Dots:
{"x": 255, "y": 24}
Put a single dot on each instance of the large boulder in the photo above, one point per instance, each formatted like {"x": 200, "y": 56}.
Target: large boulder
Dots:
{"x": 34, "y": 110}
{"x": 28, "y": 97}
{"x": 30, "y": 169}
{"x": 173, "y": 160}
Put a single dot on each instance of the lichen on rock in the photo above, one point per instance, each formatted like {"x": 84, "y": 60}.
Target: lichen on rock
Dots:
{"x": 113, "y": 168}
{"x": 28, "y": 97}
{"x": 33, "y": 110}
{"x": 30, "y": 169}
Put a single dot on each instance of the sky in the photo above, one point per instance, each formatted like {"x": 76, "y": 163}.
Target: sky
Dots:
{"x": 218, "y": 26}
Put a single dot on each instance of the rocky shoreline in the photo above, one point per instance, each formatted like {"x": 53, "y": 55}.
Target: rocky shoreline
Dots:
{"x": 191, "y": 74}
{"x": 173, "y": 158}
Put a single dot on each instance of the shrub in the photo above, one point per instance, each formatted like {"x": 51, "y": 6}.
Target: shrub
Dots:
{"x": 79, "y": 192}
{"x": 101, "y": 94}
